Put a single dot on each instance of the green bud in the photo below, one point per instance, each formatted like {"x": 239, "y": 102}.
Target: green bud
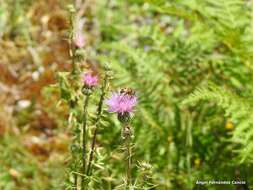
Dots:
{"x": 71, "y": 8}
{"x": 80, "y": 55}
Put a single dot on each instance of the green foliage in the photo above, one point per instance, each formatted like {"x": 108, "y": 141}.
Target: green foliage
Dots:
{"x": 237, "y": 109}
{"x": 166, "y": 50}
{"x": 190, "y": 62}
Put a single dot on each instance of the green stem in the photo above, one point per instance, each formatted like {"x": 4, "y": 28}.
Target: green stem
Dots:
{"x": 71, "y": 10}
{"x": 189, "y": 153}
{"x": 89, "y": 172}
{"x": 72, "y": 49}
{"x": 99, "y": 112}
{"x": 75, "y": 181}
{"x": 128, "y": 154}
{"x": 84, "y": 141}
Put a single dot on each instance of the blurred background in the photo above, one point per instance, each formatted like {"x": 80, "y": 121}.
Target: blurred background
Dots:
{"x": 190, "y": 62}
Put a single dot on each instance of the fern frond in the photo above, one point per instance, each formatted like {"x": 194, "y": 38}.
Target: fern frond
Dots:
{"x": 237, "y": 109}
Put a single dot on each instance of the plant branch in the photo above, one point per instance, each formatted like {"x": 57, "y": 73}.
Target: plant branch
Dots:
{"x": 99, "y": 112}
{"x": 128, "y": 154}
{"x": 84, "y": 139}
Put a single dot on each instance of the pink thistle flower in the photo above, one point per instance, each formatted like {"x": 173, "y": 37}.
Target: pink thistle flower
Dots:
{"x": 121, "y": 103}
{"x": 79, "y": 40}
{"x": 90, "y": 80}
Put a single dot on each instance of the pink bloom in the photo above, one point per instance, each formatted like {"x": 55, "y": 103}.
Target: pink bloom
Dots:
{"x": 121, "y": 103}
{"x": 90, "y": 80}
{"x": 79, "y": 40}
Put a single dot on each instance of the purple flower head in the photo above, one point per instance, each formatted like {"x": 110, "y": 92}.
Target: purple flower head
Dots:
{"x": 79, "y": 40}
{"x": 90, "y": 80}
{"x": 121, "y": 103}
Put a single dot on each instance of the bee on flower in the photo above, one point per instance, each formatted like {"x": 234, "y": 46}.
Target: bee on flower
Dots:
{"x": 122, "y": 103}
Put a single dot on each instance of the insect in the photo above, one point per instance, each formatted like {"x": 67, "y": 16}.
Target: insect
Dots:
{"x": 127, "y": 91}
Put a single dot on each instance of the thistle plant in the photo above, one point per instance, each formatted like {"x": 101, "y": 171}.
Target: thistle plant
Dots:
{"x": 89, "y": 82}
{"x": 123, "y": 104}
{"x": 80, "y": 92}
{"x": 98, "y": 117}
{"x": 71, "y": 41}
{"x": 76, "y": 92}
